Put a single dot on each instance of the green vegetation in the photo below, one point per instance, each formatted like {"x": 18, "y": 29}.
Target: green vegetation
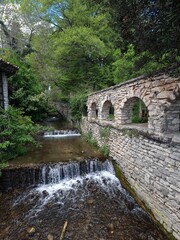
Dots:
{"x": 104, "y": 132}
{"x": 77, "y": 106}
{"x": 76, "y": 47}
{"x": 140, "y": 112}
{"x": 89, "y": 138}
{"x": 105, "y": 150}
{"x": 16, "y": 133}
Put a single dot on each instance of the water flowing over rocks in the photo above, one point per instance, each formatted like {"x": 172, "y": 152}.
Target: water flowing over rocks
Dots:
{"x": 151, "y": 166}
{"x": 62, "y": 133}
{"x": 90, "y": 198}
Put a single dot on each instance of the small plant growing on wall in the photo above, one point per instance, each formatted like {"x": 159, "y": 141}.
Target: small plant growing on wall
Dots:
{"x": 104, "y": 132}
{"x": 105, "y": 150}
{"x": 89, "y": 138}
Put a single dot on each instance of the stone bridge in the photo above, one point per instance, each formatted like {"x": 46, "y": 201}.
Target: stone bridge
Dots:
{"x": 160, "y": 94}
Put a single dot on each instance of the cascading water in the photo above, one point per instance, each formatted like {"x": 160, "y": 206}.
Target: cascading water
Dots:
{"x": 54, "y": 173}
{"x": 51, "y": 173}
{"x": 87, "y": 195}
{"x": 49, "y": 189}
{"x": 62, "y": 133}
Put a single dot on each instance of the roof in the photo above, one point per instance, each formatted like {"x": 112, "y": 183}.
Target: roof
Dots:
{"x": 8, "y": 68}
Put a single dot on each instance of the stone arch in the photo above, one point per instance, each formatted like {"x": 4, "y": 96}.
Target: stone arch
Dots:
{"x": 107, "y": 112}
{"x": 172, "y": 116}
{"x": 128, "y": 109}
{"x": 93, "y": 111}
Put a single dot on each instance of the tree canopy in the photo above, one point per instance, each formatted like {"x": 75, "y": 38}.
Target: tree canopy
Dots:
{"x": 80, "y": 46}
{"x": 75, "y": 47}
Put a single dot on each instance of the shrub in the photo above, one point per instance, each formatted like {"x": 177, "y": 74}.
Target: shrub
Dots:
{"x": 78, "y": 106}
{"x": 88, "y": 138}
{"x": 16, "y": 132}
{"x": 104, "y": 132}
{"x": 105, "y": 150}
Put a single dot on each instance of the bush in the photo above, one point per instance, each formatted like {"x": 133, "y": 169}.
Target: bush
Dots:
{"x": 105, "y": 150}
{"x": 16, "y": 132}
{"x": 78, "y": 106}
{"x": 104, "y": 132}
{"x": 88, "y": 138}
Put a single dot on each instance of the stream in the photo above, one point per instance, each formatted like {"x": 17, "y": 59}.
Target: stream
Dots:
{"x": 68, "y": 180}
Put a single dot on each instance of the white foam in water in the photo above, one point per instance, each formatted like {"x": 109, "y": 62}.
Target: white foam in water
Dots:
{"x": 59, "y": 191}
{"x": 62, "y": 133}
{"x": 65, "y": 177}
{"x": 64, "y": 185}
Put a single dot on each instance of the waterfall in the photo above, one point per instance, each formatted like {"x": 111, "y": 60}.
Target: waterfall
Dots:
{"x": 62, "y": 133}
{"x": 51, "y": 173}
{"x": 54, "y": 173}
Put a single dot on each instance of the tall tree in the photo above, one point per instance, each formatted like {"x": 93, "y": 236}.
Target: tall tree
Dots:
{"x": 152, "y": 25}
{"x": 80, "y": 47}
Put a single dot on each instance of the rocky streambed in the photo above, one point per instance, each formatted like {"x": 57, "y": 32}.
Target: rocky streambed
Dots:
{"x": 94, "y": 205}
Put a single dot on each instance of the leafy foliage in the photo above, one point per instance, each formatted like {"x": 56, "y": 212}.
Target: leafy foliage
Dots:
{"x": 89, "y": 138}
{"x": 147, "y": 24}
{"x": 82, "y": 46}
{"x": 26, "y": 91}
{"x": 130, "y": 64}
{"x": 105, "y": 150}
{"x": 78, "y": 106}
{"x": 78, "y": 55}
{"x": 140, "y": 112}
{"x": 16, "y": 132}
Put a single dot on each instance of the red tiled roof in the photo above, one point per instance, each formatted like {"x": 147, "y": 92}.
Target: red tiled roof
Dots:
{"x": 8, "y": 68}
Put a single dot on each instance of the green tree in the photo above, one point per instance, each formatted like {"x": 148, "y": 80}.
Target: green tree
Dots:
{"x": 26, "y": 90}
{"x": 147, "y": 24}
{"x": 130, "y": 64}
{"x": 79, "y": 50}
{"x": 16, "y": 132}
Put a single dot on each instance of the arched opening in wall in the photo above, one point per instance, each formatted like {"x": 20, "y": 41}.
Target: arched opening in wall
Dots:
{"x": 107, "y": 111}
{"x": 173, "y": 117}
{"x": 94, "y": 111}
{"x": 134, "y": 111}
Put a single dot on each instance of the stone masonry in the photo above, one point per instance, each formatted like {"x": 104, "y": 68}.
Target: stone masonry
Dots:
{"x": 160, "y": 93}
{"x": 150, "y": 165}
{"x": 148, "y": 156}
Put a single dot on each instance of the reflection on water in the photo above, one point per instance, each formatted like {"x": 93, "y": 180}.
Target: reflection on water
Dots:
{"x": 58, "y": 149}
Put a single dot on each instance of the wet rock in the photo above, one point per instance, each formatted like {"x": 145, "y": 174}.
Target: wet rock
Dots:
{"x": 45, "y": 193}
{"x": 50, "y": 237}
{"x": 7, "y": 229}
{"x": 31, "y": 230}
{"x": 90, "y": 201}
{"x": 94, "y": 189}
{"x": 110, "y": 228}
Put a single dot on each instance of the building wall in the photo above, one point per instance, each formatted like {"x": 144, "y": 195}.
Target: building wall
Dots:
{"x": 3, "y": 91}
{"x": 151, "y": 166}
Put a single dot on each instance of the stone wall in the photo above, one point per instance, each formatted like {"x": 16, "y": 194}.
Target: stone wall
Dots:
{"x": 151, "y": 166}
{"x": 160, "y": 94}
